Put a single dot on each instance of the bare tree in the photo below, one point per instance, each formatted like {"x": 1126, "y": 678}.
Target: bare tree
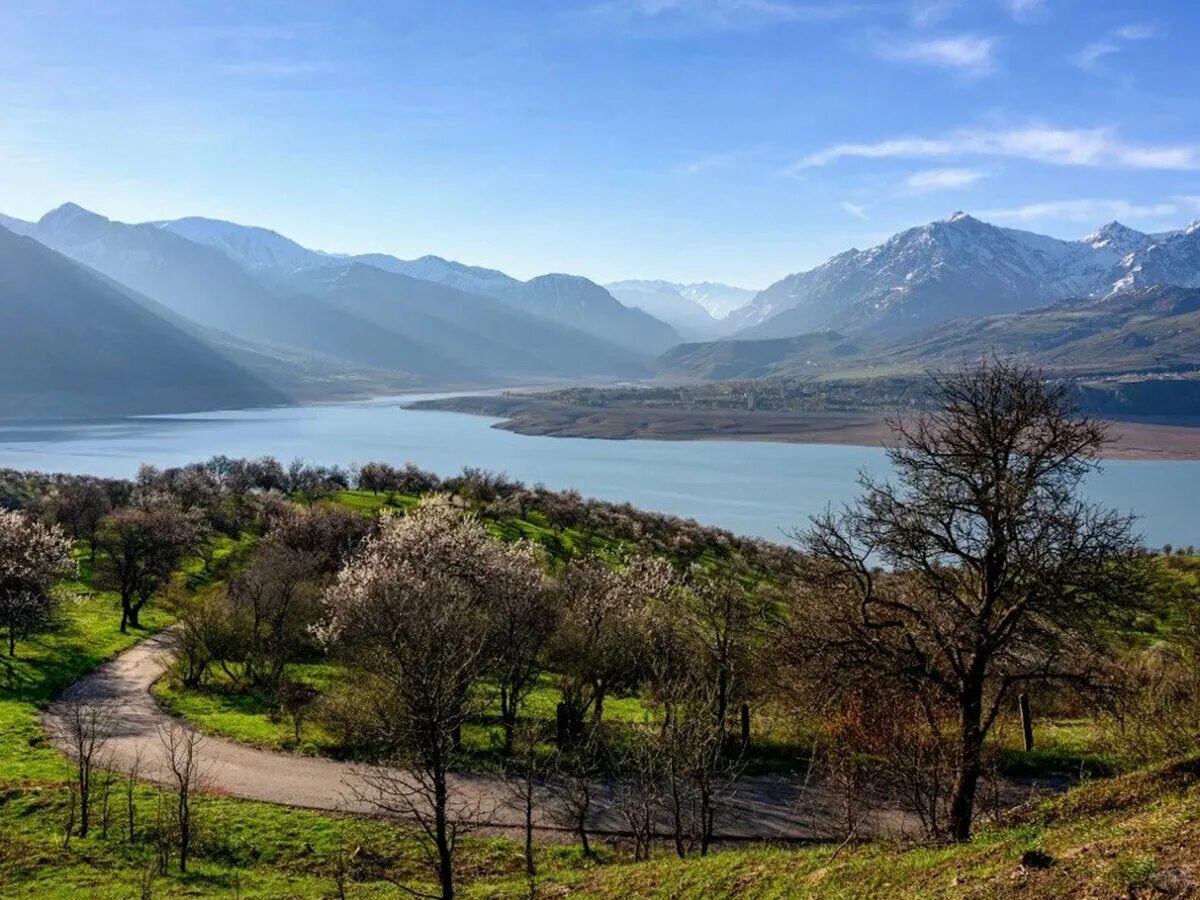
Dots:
{"x": 181, "y": 749}
{"x": 32, "y": 558}
{"x": 523, "y": 776}
{"x": 131, "y": 779}
{"x": 999, "y": 575}
{"x": 86, "y": 727}
{"x": 139, "y": 549}
{"x": 412, "y": 608}
{"x": 574, "y": 783}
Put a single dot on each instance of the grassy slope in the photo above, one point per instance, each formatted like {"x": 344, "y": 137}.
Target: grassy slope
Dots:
{"x": 1136, "y": 835}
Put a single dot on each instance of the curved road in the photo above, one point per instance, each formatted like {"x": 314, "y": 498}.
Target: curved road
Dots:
{"x": 761, "y": 807}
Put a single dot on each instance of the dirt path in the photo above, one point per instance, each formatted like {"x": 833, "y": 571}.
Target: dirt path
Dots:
{"x": 763, "y": 807}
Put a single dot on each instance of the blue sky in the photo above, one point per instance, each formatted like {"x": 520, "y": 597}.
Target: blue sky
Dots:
{"x": 733, "y": 140}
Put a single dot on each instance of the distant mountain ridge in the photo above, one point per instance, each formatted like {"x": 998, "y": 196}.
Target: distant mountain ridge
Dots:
{"x": 254, "y": 283}
{"x": 569, "y": 300}
{"x": 961, "y": 267}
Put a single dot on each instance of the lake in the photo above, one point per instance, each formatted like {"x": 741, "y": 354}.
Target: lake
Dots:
{"x": 760, "y": 489}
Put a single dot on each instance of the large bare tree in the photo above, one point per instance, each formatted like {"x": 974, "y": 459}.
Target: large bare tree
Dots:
{"x": 979, "y": 568}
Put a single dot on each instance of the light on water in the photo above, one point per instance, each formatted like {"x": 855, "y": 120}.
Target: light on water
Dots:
{"x": 759, "y": 489}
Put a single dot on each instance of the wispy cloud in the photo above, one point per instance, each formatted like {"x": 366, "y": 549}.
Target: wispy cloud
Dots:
{"x": 718, "y": 15}
{"x": 967, "y": 53}
{"x": 1057, "y": 146}
{"x": 942, "y": 179}
{"x": 1092, "y": 210}
{"x": 856, "y": 210}
{"x": 1025, "y": 10}
{"x": 924, "y": 13}
{"x": 1090, "y": 56}
{"x": 708, "y": 163}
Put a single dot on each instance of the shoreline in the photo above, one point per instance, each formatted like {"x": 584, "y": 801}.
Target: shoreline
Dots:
{"x": 1133, "y": 439}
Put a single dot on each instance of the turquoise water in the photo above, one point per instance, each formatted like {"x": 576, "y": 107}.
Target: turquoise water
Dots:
{"x": 759, "y": 489}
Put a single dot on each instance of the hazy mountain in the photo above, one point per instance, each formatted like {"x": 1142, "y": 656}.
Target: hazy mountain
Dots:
{"x": 469, "y": 329}
{"x": 568, "y": 300}
{"x": 256, "y": 249}
{"x": 16, "y": 226}
{"x": 77, "y": 344}
{"x": 961, "y": 267}
{"x": 205, "y": 285}
{"x": 663, "y": 301}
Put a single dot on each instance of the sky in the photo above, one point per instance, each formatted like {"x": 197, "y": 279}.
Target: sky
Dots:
{"x": 725, "y": 140}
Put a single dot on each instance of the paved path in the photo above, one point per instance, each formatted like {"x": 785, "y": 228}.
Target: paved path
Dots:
{"x": 763, "y": 807}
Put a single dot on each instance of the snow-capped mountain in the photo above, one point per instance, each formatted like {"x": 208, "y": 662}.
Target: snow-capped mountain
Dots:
{"x": 1173, "y": 258}
{"x": 961, "y": 267}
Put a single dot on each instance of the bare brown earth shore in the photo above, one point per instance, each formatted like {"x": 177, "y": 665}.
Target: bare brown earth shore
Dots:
{"x": 1133, "y": 438}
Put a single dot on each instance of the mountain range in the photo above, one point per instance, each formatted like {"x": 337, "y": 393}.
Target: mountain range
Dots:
{"x": 259, "y": 318}
{"x": 961, "y": 267}
{"x": 365, "y": 311}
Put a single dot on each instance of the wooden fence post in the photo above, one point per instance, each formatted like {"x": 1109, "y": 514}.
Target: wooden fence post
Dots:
{"x": 745, "y": 726}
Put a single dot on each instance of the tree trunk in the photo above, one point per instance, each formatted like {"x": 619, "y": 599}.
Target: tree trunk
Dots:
{"x": 970, "y": 766}
{"x": 12, "y": 639}
{"x": 508, "y": 718}
{"x": 441, "y": 838}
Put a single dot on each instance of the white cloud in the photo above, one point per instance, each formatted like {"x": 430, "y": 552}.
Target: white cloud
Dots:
{"x": 1090, "y": 56}
{"x": 1057, "y": 146}
{"x": 856, "y": 210}
{"x": 1136, "y": 32}
{"x": 1024, "y": 10}
{"x": 967, "y": 53}
{"x": 1093, "y": 210}
{"x": 942, "y": 179}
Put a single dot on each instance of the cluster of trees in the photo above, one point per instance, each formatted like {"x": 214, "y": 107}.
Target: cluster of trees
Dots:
{"x": 432, "y": 606}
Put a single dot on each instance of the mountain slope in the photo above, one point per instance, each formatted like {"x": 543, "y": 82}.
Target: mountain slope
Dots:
{"x": 78, "y": 345}
{"x": 719, "y": 360}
